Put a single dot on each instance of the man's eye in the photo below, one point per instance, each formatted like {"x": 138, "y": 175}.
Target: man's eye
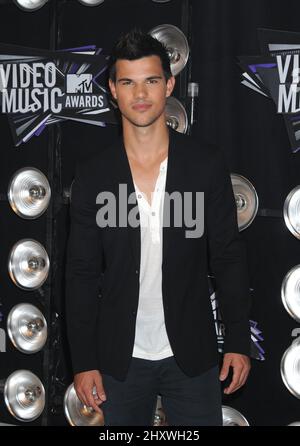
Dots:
{"x": 126, "y": 83}
{"x": 152, "y": 81}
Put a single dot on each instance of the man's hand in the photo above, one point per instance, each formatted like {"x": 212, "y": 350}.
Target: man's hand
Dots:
{"x": 84, "y": 384}
{"x": 241, "y": 368}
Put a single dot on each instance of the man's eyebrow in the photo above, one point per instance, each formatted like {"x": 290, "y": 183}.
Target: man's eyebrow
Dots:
{"x": 154, "y": 77}
{"x": 122, "y": 79}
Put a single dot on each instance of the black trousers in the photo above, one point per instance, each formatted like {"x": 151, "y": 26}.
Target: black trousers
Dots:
{"x": 186, "y": 401}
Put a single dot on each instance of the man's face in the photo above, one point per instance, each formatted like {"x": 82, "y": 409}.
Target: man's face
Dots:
{"x": 141, "y": 90}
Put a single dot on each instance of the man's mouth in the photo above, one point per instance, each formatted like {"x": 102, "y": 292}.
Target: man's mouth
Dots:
{"x": 141, "y": 106}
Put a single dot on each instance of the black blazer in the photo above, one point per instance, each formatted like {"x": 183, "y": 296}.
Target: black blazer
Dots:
{"x": 102, "y": 274}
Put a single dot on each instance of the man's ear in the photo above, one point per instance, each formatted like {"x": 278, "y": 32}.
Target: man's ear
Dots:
{"x": 170, "y": 86}
{"x": 112, "y": 87}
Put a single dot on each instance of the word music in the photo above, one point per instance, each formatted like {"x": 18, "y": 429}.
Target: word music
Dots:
{"x": 29, "y": 87}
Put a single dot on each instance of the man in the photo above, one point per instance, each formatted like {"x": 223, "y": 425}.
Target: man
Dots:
{"x": 139, "y": 314}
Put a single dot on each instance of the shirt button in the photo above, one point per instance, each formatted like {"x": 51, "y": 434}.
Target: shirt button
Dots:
{"x": 139, "y": 196}
{"x": 153, "y": 213}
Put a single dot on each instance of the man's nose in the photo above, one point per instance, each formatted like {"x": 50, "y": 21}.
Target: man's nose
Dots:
{"x": 140, "y": 91}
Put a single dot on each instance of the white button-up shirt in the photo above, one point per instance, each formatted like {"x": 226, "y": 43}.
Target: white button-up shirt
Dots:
{"x": 151, "y": 339}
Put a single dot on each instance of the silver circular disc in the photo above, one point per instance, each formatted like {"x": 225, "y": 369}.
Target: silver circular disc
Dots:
{"x": 17, "y": 327}
{"x": 174, "y": 39}
{"x": 19, "y": 197}
{"x": 291, "y": 212}
{"x": 290, "y": 368}
{"x": 91, "y": 2}
{"x": 18, "y": 269}
{"x": 30, "y": 5}
{"x": 159, "y": 416}
{"x": 245, "y": 194}
{"x": 15, "y": 389}
{"x": 175, "y": 111}
{"x": 77, "y": 413}
{"x": 290, "y": 292}
{"x": 231, "y": 417}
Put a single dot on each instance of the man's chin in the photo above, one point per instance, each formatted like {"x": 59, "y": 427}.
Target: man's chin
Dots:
{"x": 145, "y": 123}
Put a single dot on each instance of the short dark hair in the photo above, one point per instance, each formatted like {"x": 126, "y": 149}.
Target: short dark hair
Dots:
{"x": 136, "y": 44}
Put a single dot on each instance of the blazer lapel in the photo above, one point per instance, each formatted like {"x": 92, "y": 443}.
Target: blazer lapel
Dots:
{"x": 173, "y": 183}
{"x": 125, "y": 177}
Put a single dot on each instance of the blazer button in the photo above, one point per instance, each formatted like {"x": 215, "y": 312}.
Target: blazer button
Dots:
{"x": 136, "y": 271}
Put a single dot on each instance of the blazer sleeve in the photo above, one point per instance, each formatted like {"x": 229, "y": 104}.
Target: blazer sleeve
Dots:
{"x": 228, "y": 262}
{"x": 83, "y": 275}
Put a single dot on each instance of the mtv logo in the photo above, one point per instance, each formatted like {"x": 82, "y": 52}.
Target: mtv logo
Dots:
{"x": 79, "y": 83}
